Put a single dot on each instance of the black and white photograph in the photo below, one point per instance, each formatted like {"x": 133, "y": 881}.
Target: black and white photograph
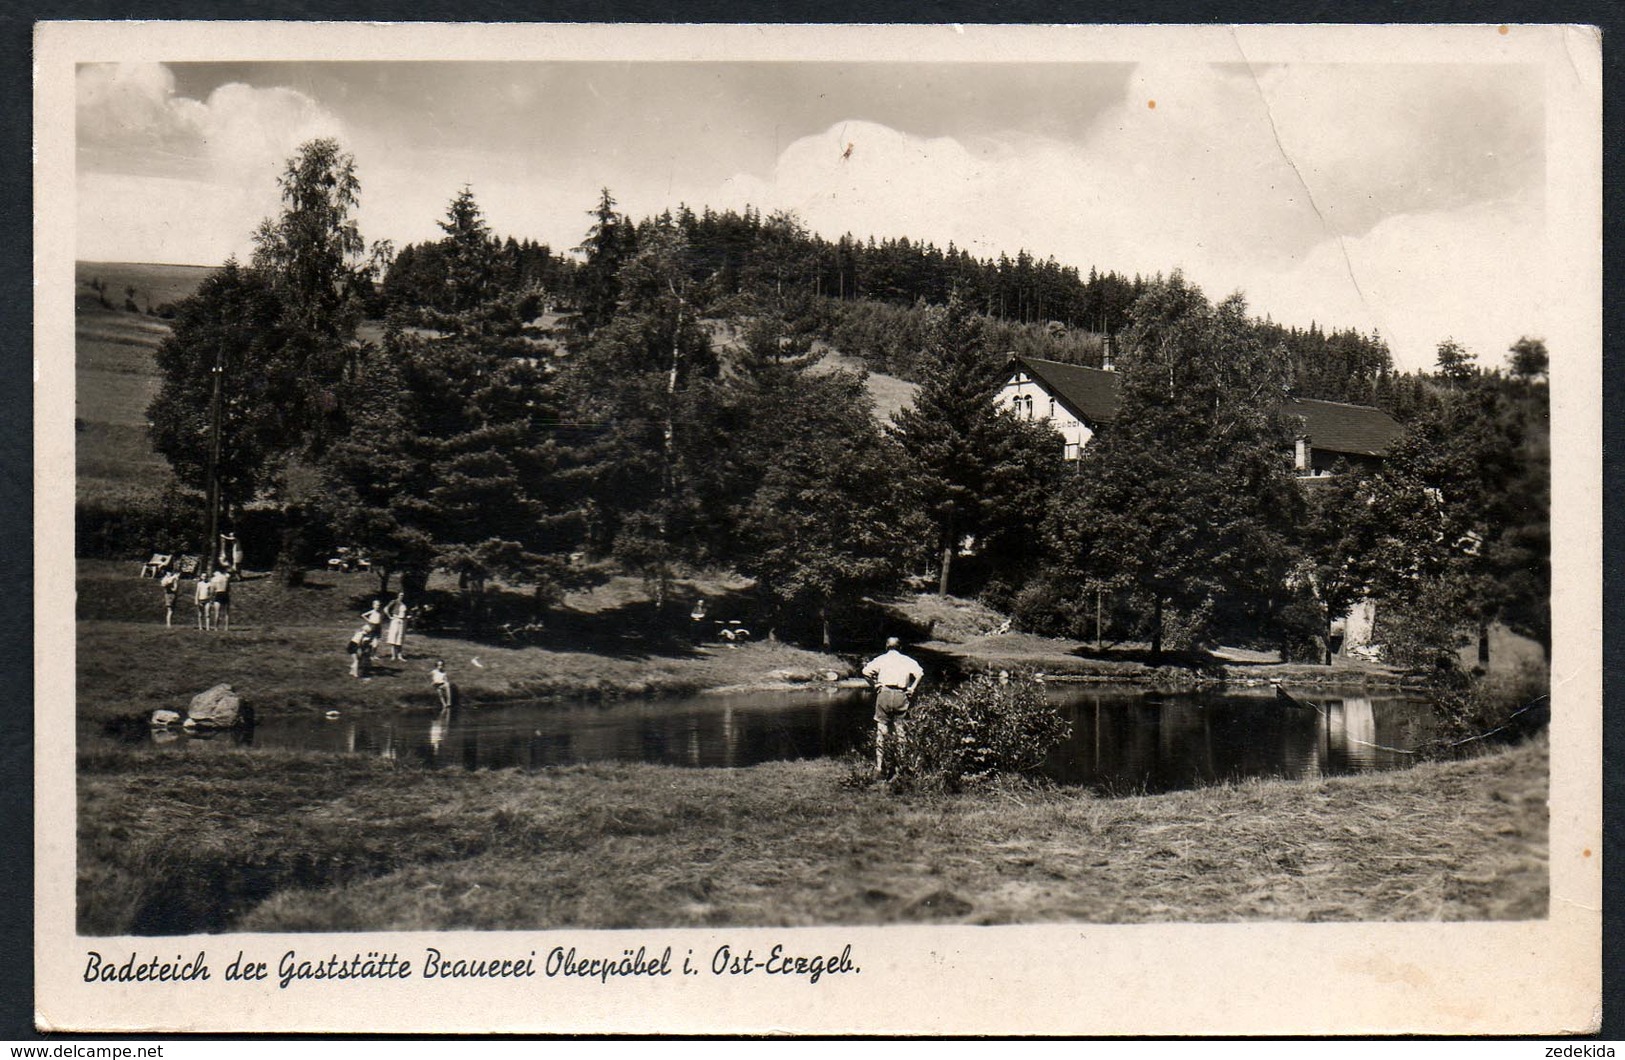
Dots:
{"x": 709, "y": 528}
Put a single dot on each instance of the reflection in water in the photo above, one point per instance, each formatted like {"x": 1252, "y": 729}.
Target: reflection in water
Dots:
{"x": 1121, "y": 741}
{"x": 703, "y": 731}
{"x": 1128, "y": 743}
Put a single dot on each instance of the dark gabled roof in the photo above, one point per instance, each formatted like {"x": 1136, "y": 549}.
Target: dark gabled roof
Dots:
{"x": 1332, "y": 426}
{"x": 1090, "y": 393}
{"x": 1358, "y": 430}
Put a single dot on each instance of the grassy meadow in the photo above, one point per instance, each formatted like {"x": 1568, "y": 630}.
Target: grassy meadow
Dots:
{"x": 274, "y": 841}
{"x": 285, "y": 651}
{"x": 115, "y": 377}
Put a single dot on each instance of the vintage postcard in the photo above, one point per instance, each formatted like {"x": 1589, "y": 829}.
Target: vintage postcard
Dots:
{"x": 863, "y": 529}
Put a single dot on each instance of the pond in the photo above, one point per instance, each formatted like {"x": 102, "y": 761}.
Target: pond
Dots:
{"x": 1122, "y": 740}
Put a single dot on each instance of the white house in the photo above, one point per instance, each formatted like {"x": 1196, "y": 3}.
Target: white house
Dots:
{"x": 1079, "y": 401}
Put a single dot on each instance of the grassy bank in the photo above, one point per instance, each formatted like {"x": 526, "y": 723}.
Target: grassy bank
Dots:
{"x": 285, "y": 652}
{"x": 245, "y": 840}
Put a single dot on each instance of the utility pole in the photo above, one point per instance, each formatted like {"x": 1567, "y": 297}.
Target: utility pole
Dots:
{"x": 668, "y": 476}
{"x": 219, "y": 370}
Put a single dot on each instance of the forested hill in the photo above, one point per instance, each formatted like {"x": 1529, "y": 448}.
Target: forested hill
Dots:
{"x": 869, "y": 293}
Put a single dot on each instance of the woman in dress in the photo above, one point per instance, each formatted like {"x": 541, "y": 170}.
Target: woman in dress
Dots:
{"x": 395, "y": 634}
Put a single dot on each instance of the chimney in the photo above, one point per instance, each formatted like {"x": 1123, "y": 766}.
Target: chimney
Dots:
{"x": 1108, "y": 356}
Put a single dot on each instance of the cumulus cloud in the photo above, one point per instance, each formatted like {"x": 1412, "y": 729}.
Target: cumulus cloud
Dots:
{"x": 1475, "y": 274}
{"x": 154, "y": 165}
{"x": 1320, "y": 202}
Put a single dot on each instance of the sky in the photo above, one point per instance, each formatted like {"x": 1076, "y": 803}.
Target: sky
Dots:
{"x": 1403, "y": 199}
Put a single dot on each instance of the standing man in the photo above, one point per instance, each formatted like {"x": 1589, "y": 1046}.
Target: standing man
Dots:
{"x": 171, "y": 584}
{"x": 895, "y": 677}
{"x": 220, "y": 591}
{"x": 203, "y": 596}
{"x": 231, "y": 554}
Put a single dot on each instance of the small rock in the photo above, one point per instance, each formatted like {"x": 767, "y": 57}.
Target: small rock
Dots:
{"x": 163, "y": 719}
{"x": 218, "y": 708}
{"x": 831, "y": 675}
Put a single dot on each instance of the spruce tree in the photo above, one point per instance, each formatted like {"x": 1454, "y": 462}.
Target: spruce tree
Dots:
{"x": 955, "y": 440}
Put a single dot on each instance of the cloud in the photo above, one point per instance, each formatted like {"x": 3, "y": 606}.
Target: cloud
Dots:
{"x": 154, "y": 166}
{"x": 1476, "y": 274}
{"x": 124, "y": 217}
{"x": 1319, "y": 201}
{"x": 1405, "y": 198}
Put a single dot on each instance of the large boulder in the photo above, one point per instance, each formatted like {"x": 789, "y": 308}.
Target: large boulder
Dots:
{"x": 218, "y": 708}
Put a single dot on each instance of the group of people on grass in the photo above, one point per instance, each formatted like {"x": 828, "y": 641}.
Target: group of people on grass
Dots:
{"x": 379, "y": 625}
{"x": 211, "y": 586}
{"x": 211, "y": 592}
{"x": 386, "y": 627}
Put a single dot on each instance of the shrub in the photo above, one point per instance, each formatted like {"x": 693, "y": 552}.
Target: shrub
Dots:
{"x": 984, "y": 728}
{"x": 167, "y": 520}
{"x": 1302, "y": 631}
{"x": 1049, "y": 609}
{"x": 1470, "y": 712}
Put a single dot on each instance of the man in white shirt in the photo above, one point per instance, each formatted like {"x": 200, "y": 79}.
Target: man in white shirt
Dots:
{"x": 895, "y": 677}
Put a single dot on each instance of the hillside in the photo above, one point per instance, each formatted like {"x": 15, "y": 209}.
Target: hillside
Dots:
{"x": 888, "y": 392}
{"x": 154, "y": 284}
{"x": 116, "y": 378}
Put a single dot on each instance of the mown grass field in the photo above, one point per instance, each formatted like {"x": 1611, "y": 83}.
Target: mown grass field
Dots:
{"x": 259, "y": 841}
{"x": 116, "y": 378}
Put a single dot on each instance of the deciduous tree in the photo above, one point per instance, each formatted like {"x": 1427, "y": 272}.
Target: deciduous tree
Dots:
{"x": 1188, "y": 497}
{"x": 1530, "y": 361}
{"x": 233, "y": 323}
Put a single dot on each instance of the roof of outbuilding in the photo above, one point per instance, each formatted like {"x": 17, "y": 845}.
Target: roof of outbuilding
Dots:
{"x": 1358, "y": 430}
{"x": 1332, "y": 426}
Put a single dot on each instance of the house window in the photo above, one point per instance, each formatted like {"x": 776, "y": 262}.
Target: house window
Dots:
{"x": 1071, "y": 451}
{"x": 1052, "y": 407}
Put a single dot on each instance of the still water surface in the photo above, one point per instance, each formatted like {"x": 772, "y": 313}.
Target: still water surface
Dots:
{"x": 1122, "y": 740}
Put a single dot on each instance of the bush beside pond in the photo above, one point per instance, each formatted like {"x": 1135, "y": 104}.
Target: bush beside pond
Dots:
{"x": 989, "y": 726}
